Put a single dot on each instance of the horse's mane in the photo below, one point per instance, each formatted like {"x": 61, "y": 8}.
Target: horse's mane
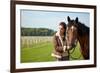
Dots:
{"x": 83, "y": 29}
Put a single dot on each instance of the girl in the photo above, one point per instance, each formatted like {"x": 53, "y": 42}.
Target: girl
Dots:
{"x": 60, "y": 52}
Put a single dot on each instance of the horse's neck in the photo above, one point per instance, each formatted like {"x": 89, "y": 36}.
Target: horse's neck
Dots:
{"x": 84, "y": 41}
{"x": 84, "y": 45}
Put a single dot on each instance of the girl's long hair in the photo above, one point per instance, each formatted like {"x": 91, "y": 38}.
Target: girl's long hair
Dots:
{"x": 64, "y": 26}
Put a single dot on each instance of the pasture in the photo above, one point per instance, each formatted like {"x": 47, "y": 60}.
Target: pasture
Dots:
{"x": 39, "y": 49}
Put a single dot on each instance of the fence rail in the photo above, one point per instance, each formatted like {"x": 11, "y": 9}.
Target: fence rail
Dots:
{"x": 29, "y": 41}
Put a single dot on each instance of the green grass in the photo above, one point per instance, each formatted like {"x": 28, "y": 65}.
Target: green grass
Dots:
{"x": 38, "y": 53}
{"x": 41, "y": 52}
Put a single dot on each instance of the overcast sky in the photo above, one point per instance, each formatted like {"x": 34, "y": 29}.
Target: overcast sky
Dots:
{"x": 50, "y": 19}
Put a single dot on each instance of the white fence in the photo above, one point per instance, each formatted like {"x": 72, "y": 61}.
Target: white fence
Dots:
{"x": 29, "y": 41}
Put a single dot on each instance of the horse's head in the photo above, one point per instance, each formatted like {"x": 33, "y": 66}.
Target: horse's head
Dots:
{"x": 71, "y": 32}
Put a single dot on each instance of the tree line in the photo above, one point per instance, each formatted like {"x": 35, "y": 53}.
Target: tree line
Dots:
{"x": 37, "y": 32}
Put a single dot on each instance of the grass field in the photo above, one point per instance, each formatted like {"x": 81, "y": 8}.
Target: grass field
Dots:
{"x": 41, "y": 52}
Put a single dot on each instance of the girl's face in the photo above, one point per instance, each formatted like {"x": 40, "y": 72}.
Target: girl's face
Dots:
{"x": 61, "y": 29}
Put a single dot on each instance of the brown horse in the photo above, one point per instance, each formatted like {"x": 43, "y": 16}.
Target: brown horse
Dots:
{"x": 80, "y": 32}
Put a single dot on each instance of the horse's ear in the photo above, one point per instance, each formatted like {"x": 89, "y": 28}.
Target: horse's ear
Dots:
{"x": 76, "y": 19}
{"x": 68, "y": 18}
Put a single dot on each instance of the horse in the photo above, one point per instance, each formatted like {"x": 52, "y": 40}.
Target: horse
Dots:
{"x": 77, "y": 31}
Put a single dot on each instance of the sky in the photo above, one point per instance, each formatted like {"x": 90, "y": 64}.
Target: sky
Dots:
{"x": 50, "y": 19}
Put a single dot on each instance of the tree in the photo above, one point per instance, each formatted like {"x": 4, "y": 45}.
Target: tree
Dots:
{"x": 37, "y": 32}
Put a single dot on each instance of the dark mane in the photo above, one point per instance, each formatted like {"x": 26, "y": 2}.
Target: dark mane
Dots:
{"x": 82, "y": 29}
